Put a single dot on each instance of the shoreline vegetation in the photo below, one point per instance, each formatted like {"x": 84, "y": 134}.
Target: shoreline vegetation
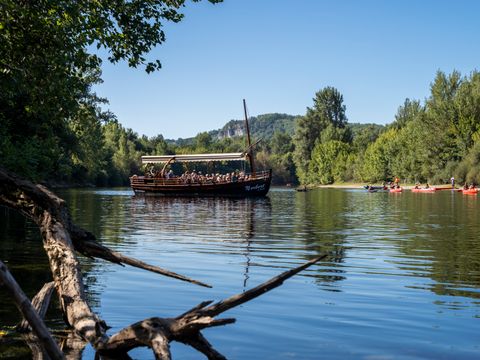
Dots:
{"x": 56, "y": 130}
{"x": 318, "y": 148}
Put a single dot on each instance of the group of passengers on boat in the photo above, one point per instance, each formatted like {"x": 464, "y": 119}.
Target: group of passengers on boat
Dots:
{"x": 195, "y": 177}
{"x": 199, "y": 178}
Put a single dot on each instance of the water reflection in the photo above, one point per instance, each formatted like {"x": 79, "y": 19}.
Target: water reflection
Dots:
{"x": 320, "y": 224}
{"x": 431, "y": 236}
{"x": 406, "y": 266}
{"x": 225, "y": 220}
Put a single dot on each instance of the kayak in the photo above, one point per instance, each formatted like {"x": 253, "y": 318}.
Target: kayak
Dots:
{"x": 428, "y": 190}
{"x": 366, "y": 187}
{"x": 470, "y": 191}
{"x": 396, "y": 190}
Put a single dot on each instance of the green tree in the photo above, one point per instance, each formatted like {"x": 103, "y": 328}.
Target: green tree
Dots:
{"x": 203, "y": 141}
{"x": 328, "y": 162}
{"x": 441, "y": 119}
{"x": 88, "y": 155}
{"x": 328, "y": 110}
{"x": 58, "y": 37}
{"x": 281, "y": 143}
{"x": 378, "y": 157}
{"x": 467, "y": 102}
{"x": 409, "y": 111}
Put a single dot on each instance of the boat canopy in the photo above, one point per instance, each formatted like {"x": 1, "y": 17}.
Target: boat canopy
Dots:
{"x": 194, "y": 158}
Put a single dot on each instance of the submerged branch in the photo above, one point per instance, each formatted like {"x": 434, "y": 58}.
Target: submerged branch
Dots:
{"x": 93, "y": 249}
{"x": 28, "y": 311}
{"x": 261, "y": 289}
{"x": 40, "y": 303}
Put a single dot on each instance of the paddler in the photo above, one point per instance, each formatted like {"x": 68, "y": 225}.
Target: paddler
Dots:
{"x": 396, "y": 181}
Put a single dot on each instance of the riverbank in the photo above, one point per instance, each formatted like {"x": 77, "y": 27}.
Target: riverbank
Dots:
{"x": 361, "y": 186}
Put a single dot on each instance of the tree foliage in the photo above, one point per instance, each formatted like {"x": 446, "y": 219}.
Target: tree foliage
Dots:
{"x": 47, "y": 71}
{"x": 52, "y": 125}
{"x": 324, "y": 122}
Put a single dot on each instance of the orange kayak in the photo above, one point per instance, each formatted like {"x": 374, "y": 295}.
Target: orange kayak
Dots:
{"x": 396, "y": 190}
{"x": 428, "y": 190}
{"x": 473, "y": 191}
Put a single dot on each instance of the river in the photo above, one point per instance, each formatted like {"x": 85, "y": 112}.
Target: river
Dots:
{"x": 402, "y": 279}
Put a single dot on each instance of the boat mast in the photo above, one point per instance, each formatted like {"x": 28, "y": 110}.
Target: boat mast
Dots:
{"x": 250, "y": 149}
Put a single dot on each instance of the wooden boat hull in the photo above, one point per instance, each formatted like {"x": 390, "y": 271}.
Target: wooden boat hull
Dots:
{"x": 258, "y": 186}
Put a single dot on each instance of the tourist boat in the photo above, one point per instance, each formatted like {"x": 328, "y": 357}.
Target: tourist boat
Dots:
{"x": 473, "y": 191}
{"x": 255, "y": 183}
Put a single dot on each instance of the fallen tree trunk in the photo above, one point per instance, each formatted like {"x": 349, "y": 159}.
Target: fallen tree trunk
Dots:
{"x": 61, "y": 238}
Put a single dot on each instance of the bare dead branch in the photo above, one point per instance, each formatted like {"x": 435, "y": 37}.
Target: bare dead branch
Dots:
{"x": 161, "y": 347}
{"x": 261, "y": 289}
{"x": 25, "y": 306}
{"x": 94, "y": 249}
{"x": 202, "y": 345}
{"x": 40, "y": 303}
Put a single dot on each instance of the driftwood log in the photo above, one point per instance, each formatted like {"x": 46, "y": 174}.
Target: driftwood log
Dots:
{"x": 61, "y": 240}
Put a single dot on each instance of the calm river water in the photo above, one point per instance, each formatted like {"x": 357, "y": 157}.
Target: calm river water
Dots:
{"x": 402, "y": 280}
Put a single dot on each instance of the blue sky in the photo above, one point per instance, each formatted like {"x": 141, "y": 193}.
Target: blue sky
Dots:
{"x": 277, "y": 53}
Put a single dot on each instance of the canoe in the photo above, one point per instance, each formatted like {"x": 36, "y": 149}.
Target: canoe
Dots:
{"x": 374, "y": 189}
{"x": 470, "y": 191}
{"x": 366, "y": 187}
{"x": 396, "y": 190}
{"x": 423, "y": 190}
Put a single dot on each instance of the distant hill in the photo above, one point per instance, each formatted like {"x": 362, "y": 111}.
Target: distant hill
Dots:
{"x": 263, "y": 126}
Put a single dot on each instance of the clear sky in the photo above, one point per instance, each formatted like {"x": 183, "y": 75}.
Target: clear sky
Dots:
{"x": 278, "y": 53}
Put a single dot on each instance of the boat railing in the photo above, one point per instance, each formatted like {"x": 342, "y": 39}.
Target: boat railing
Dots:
{"x": 142, "y": 180}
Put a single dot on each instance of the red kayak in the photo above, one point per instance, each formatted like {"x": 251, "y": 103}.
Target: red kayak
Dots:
{"x": 473, "y": 191}
{"x": 396, "y": 190}
{"x": 426, "y": 190}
